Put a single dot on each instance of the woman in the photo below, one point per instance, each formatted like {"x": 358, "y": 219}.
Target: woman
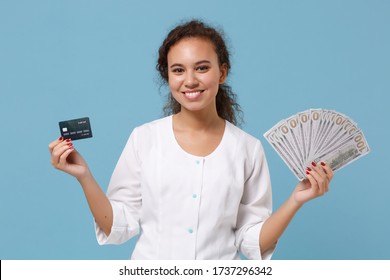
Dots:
{"x": 192, "y": 184}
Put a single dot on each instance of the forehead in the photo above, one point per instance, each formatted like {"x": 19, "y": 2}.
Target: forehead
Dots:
{"x": 192, "y": 49}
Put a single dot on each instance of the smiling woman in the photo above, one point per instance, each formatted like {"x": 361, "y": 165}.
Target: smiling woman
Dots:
{"x": 194, "y": 78}
{"x": 226, "y": 104}
{"x": 194, "y": 83}
{"x": 192, "y": 185}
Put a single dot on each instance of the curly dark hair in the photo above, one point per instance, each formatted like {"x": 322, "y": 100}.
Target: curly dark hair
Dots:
{"x": 227, "y": 106}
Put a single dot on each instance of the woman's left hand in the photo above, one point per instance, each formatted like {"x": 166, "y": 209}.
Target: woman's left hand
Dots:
{"x": 319, "y": 176}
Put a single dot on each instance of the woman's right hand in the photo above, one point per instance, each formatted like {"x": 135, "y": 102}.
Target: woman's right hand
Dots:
{"x": 64, "y": 157}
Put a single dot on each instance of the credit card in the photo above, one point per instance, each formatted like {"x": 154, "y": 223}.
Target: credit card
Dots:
{"x": 76, "y": 129}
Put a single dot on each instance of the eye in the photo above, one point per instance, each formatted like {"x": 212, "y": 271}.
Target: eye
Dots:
{"x": 203, "y": 68}
{"x": 178, "y": 70}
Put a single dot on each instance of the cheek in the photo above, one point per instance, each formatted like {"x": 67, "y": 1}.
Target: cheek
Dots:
{"x": 174, "y": 82}
{"x": 212, "y": 81}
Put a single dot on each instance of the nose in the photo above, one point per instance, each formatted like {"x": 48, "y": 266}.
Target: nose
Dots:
{"x": 191, "y": 80}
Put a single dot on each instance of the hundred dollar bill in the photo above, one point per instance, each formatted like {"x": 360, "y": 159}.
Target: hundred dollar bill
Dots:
{"x": 282, "y": 147}
{"x": 304, "y": 130}
{"x": 346, "y": 153}
{"x": 292, "y": 132}
{"x": 317, "y": 135}
{"x": 315, "y": 117}
{"x": 342, "y": 130}
{"x": 291, "y": 135}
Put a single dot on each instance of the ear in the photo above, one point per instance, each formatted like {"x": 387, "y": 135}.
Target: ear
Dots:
{"x": 223, "y": 75}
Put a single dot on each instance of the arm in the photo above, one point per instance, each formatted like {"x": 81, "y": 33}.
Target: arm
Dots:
{"x": 316, "y": 184}
{"x": 64, "y": 157}
{"x": 98, "y": 203}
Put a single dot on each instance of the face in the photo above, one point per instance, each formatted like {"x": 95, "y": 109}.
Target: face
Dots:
{"x": 194, "y": 74}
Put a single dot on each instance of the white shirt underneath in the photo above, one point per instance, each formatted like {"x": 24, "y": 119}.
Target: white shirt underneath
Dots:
{"x": 188, "y": 207}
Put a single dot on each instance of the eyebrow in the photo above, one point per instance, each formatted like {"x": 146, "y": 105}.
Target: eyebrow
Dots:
{"x": 197, "y": 63}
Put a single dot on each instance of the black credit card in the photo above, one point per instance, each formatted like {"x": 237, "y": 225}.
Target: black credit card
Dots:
{"x": 76, "y": 129}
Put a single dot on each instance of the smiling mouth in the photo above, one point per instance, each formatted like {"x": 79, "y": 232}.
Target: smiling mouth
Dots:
{"x": 193, "y": 94}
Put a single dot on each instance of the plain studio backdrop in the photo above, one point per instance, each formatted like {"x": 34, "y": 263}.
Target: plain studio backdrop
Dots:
{"x": 61, "y": 60}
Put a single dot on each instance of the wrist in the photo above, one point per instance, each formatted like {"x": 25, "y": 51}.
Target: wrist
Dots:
{"x": 85, "y": 177}
{"x": 294, "y": 204}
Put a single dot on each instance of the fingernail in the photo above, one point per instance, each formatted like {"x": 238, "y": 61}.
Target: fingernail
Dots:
{"x": 307, "y": 173}
{"x": 323, "y": 163}
{"x": 313, "y": 163}
{"x": 61, "y": 138}
{"x": 308, "y": 168}
{"x": 70, "y": 144}
{"x": 68, "y": 140}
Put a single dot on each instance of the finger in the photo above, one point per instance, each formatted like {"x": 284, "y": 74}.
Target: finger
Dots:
{"x": 313, "y": 182}
{"x": 329, "y": 174}
{"x": 64, "y": 156}
{"x": 328, "y": 170}
{"x": 58, "y": 151}
{"x": 55, "y": 143}
{"x": 61, "y": 144}
{"x": 318, "y": 167}
{"x": 322, "y": 169}
{"x": 320, "y": 180}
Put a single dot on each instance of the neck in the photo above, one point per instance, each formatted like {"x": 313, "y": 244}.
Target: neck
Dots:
{"x": 198, "y": 120}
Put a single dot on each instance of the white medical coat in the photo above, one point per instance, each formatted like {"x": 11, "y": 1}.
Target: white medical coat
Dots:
{"x": 189, "y": 207}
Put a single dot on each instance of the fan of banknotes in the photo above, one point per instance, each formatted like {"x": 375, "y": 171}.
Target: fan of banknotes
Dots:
{"x": 317, "y": 135}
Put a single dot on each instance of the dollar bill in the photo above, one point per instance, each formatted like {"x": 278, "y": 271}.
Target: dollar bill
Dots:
{"x": 317, "y": 135}
{"x": 345, "y": 153}
{"x": 282, "y": 147}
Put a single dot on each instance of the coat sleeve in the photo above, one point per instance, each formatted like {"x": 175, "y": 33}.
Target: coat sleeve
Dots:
{"x": 124, "y": 193}
{"x": 255, "y": 207}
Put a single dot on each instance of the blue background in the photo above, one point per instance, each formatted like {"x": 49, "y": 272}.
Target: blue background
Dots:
{"x": 68, "y": 59}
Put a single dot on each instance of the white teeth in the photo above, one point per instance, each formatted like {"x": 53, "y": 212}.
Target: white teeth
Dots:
{"x": 192, "y": 94}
